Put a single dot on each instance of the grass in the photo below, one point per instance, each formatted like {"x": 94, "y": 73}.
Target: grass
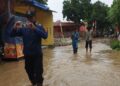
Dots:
{"x": 115, "y": 44}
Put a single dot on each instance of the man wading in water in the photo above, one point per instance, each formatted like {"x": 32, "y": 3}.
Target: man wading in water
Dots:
{"x": 32, "y": 34}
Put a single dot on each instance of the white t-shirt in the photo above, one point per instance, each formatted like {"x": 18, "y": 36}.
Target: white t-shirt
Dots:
{"x": 88, "y": 35}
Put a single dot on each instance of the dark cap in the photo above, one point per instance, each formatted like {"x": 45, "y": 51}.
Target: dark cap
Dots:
{"x": 30, "y": 14}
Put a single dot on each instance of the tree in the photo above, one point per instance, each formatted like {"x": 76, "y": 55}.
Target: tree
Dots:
{"x": 75, "y": 10}
{"x": 99, "y": 14}
{"x": 42, "y": 1}
{"x": 114, "y": 13}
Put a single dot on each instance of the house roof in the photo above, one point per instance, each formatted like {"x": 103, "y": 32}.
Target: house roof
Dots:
{"x": 67, "y": 23}
{"x": 37, "y": 4}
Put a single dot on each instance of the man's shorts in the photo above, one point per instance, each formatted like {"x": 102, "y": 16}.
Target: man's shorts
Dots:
{"x": 88, "y": 44}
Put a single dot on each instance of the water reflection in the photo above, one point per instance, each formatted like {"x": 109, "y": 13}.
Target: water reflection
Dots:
{"x": 83, "y": 69}
{"x": 63, "y": 68}
{"x": 88, "y": 59}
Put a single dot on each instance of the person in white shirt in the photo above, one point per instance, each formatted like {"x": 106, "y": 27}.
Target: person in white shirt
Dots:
{"x": 88, "y": 38}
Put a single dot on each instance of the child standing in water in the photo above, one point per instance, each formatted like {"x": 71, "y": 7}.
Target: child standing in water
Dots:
{"x": 75, "y": 38}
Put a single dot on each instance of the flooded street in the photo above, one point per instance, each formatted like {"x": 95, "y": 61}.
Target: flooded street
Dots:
{"x": 63, "y": 68}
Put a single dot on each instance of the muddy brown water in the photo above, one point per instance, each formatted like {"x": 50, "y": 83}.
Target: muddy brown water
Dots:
{"x": 63, "y": 68}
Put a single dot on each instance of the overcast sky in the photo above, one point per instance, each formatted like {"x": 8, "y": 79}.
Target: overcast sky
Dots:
{"x": 57, "y": 5}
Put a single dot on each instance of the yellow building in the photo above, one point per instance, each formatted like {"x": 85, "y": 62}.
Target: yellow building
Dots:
{"x": 13, "y": 46}
{"x": 42, "y": 14}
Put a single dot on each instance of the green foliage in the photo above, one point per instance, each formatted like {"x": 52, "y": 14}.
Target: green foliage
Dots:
{"x": 115, "y": 44}
{"x": 114, "y": 12}
{"x": 75, "y": 10}
{"x": 99, "y": 13}
{"x": 42, "y": 1}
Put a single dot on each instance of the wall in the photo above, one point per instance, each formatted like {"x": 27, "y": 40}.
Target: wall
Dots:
{"x": 46, "y": 19}
{"x": 43, "y": 17}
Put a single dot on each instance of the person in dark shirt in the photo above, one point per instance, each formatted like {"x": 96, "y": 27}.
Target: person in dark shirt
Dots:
{"x": 32, "y": 35}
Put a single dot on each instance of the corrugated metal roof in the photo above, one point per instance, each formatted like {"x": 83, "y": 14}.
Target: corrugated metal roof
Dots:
{"x": 36, "y": 4}
{"x": 66, "y": 23}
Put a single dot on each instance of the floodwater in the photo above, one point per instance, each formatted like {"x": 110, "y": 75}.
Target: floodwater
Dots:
{"x": 63, "y": 68}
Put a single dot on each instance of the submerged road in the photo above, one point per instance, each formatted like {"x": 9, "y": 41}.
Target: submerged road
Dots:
{"x": 63, "y": 68}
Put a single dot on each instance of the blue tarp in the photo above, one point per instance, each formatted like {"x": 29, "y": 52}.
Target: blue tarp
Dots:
{"x": 37, "y": 4}
{"x": 7, "y": 31}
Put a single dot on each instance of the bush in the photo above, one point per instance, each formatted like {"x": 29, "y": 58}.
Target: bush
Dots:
{"x": 115, "y": 44}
